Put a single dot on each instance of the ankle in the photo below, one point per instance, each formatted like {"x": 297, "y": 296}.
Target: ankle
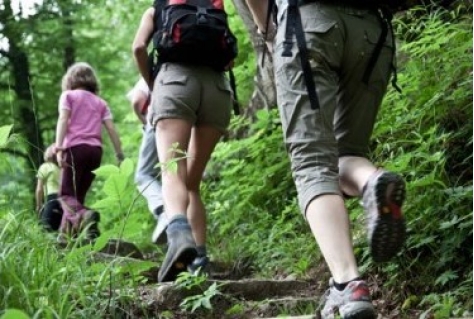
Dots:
{"x": 201, "y": 250}
{"x": 177, "y": 223}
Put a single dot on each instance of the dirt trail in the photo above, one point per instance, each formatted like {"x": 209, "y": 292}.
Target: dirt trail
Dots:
{"x": 231, "y": 290}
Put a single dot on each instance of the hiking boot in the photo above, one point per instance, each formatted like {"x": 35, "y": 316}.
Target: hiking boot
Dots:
{"x": 353, "y": 302}
{"x": 90, "y": 222}
{"x": 200, "y": 266}
{"x": 181, "y": 253}
{"x": 382, "y": 200}
{"x": 159, "y": 234}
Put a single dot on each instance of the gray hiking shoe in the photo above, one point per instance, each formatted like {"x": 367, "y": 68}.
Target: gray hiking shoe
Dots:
{"x": 353, "y": 302}
{"x": 181, "y": 253}
{"x": 200, "y": 266}
{"x": 382, "y": 200}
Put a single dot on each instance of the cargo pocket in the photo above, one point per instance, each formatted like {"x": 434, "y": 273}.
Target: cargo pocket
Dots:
{"x": 226, "y": 100}
{"x": 381, "y": 69}
{"x": 323, "y": 41}
{"x": 172, "y": 86}
{"x": 173, "y": 79}
{"x": 223, "y": 87}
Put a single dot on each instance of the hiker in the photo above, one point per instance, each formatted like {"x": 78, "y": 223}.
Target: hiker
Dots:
{"x": 328, "y": 137}
{"x": 190, "y": 111}
{"x": 147, "y": 173}
{"x": 48, "y": 206}
{"x": 79, "y": 146}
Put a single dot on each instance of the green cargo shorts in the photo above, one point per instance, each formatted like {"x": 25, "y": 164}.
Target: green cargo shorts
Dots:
{"x": 194, "y": 93}
{"x": 340, "y": 40}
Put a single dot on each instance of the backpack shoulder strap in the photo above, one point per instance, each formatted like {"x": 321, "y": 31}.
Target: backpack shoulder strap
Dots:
{"x": 294, "y": 26}
{"x": 270, "y": 9}
{"x": 158, "y": 5}
{"x": 153, "y": 63}
{"x": 233, "y": 87}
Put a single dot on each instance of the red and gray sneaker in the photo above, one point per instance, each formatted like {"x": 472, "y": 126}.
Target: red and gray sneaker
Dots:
{"x": 382, "y": 200}
{"x": 353, "y": 302}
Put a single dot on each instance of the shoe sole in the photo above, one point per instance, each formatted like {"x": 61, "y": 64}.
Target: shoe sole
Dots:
{"x": 362, "y": 314}
{"x": 183, "y": 258}
{"x": 389, "y": 231}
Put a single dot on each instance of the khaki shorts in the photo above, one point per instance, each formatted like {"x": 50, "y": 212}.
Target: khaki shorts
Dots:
{"x": 194, "y": 93}
{"x": 340, "y": 41}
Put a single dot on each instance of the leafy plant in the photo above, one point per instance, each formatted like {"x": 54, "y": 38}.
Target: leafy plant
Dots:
{"x": 192, "y": 303}
{"x": 190, "y": 281}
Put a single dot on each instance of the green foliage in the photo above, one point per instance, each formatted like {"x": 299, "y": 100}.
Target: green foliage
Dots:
{"x": 14, "y": 314}
{"x": 4, "y": 134}
{"x": 116, "y": 186}
{"x": 431, "y": 145}
{"x": 202, "y": 300}
{"x": 251, "y": 195}
{"x": 425, "y": 134}
{"x": 245, "y": 66}
{"x": 192, "y": 303}
{"x": 45, "y": 281}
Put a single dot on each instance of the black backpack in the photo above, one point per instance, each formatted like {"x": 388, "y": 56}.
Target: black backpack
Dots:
{"x": 194, "y": 32}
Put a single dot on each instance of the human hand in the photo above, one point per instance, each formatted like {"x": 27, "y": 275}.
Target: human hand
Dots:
{"x": 59, "y": 158}
{"x": 269, "y": 36}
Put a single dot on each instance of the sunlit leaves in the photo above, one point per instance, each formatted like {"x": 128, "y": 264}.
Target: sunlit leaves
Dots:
{"x": 4, "y": 134}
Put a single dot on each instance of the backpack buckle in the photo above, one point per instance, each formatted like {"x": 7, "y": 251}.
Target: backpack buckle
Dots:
{"x": 201, "y": 15}
{"x": 287, "y": 46}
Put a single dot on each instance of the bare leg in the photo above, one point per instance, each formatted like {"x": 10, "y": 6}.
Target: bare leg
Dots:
{"x": 329, "y": 222}
{"x": 354, "y": 173}
{"x": 171, "y": 132}
{"x": 203, "y": 141}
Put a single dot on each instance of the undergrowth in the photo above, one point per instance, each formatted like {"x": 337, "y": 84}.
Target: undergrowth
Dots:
{"x": 425, "y": 134}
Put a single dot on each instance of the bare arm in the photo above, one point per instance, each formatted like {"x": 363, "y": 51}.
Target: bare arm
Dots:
{"x": 258, "y": 9}
{"x": 140, "y": 44}
{"x": 61, "y": 130}
{"x": 39, "y": 194}
{"x": 110, "y": 127}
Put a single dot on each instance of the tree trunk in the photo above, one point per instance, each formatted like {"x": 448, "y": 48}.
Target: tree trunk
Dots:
{"x": 264, "y": 95}
{"x": 24, "y": 110}
{"x": 69, "y": 49}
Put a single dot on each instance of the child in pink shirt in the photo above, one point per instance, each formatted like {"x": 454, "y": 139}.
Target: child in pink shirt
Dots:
{"x": 79, "y": 146}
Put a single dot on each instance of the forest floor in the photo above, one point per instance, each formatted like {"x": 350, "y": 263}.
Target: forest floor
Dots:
{"x": 238, "y": 294}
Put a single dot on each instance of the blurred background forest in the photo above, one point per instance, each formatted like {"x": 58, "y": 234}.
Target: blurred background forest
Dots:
{"x": 425, "y": 133}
